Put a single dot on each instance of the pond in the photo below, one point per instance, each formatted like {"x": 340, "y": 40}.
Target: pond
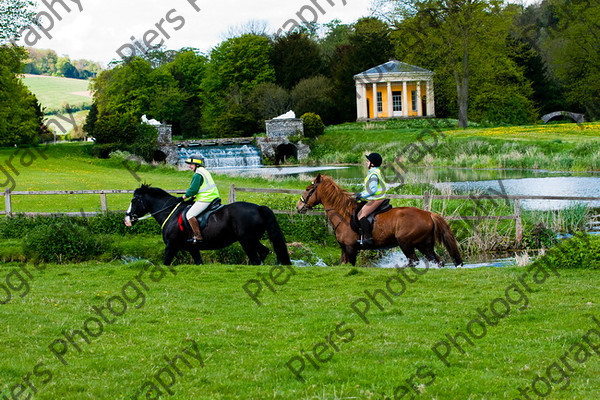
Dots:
{"x": 461, "y": 180}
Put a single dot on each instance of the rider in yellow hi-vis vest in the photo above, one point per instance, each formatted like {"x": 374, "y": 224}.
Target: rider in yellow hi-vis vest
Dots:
{"x": 374, "y": 193}
{"x": 204, "y": 188}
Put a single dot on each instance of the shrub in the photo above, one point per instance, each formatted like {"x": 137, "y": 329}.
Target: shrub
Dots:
{"x": 145, "y": 141}
{"x": 582, "y": 252}
{"x": 116, "y": 128}
{"x": 314, "y": 95}
{"x": 104, "y": 150}
{"x": 313, "y": 126}
{"x": 62, "y": 241}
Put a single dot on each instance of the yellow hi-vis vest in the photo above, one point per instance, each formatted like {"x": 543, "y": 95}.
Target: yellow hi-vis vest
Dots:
{"x": 208, "y": 190}
{"x": 379, "y": 193}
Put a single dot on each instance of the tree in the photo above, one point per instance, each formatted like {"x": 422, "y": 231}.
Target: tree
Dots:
{"x": 269, "y": 100}
{"x": 188, "y": 68}
{"x": 14, "y": 16}
{"x": 295, "y": 57}
{"x": 126, "y": 92}
{"x": 20, "y": 113}
{"x": 337, "y": 34}
{"x": 575, "y": 54}
{"x": 369, "y": 45}
{"x": 243, "y": 61}
{"x": 314, "y": 95}
{"x": 236, "y": 67}
{"x": 462, "y": 38}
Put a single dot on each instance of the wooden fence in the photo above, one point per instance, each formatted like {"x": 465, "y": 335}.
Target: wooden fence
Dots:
{"x": 8, "y": 196}
{"x": 426, "y": 198}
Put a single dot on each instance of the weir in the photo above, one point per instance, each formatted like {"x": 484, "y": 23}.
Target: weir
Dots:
{"x": 223, "y": 156}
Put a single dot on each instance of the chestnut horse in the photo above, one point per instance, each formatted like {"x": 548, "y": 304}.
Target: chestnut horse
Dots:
{"x": 408, "y": 227}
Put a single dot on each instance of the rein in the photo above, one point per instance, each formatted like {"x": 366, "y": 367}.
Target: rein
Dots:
{"x": 166, "y": 220}
{"x": 327, "y": 210}
{"x": 161, "y": 210}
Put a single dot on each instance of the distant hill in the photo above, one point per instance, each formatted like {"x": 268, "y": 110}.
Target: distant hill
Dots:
{"x": 54, "y": 92}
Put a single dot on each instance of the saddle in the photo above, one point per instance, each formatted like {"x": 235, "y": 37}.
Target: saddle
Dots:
{"x": 213, "y": 207}
{"x": 383, "y": 207}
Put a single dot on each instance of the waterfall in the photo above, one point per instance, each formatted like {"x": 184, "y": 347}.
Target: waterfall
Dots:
{"x": 229, "y": 156}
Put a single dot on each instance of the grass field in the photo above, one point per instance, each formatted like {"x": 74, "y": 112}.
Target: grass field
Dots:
{"x": 132, "y": 330}
{"x": 70, "y": 167}
{"x": 54, "y": 92}
{"x": 567, "y": 147}
{"x": 249, "y": 351}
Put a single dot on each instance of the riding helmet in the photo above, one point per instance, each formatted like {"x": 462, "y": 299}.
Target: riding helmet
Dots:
{"x": 375, "y": 159}
{"x": 195, "y": 159}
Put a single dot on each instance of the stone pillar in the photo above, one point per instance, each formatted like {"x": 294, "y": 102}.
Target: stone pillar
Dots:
{"x": 419, "y": 100}
{"x": 361, "y": 101}
{"x": 375, "y": 114}
{"x": 430, "y": 99}
{"x": 390, "y": 108}
{"x": 363, "y": 93}
{"x": 404, "y": 99}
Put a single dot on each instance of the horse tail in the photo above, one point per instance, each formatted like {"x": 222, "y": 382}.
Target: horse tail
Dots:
{"x": 444, "y": 235}
{"x": 275, "y": 235}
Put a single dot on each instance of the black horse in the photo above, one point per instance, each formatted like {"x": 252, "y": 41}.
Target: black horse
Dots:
{"x": 236, "y": 222}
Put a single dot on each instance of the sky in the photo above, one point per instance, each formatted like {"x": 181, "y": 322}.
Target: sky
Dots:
{"x": 96, "y": 30}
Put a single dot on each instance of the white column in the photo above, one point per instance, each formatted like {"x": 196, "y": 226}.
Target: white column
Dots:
{"x": 361, "y": 101}
{"x": 363, "y": 105}
{"x": 404, "y": 99}
{"x": 390, "y": 102}
{"x": 430, "y": 99}
{"x": 419, "y": 100}
{"x": 375, "y": 115}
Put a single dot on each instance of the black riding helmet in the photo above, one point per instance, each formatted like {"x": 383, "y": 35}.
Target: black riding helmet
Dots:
{"x": 375, "y": 159}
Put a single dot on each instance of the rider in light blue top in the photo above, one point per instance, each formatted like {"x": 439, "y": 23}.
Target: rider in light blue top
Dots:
{"x": 374, "y": 193}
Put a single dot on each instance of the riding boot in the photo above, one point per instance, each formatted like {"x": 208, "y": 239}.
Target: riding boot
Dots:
{"x": 366, "y": 238}
{"x": 196, "y": 228}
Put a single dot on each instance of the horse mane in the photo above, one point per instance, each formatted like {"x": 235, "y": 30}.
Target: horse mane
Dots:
{"x": 341, "y": 199}
{"x": 152, "y": 191}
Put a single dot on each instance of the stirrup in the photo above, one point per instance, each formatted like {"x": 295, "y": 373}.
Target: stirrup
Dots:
{"x": 365, "y": 241}
{"x": 195, "y": 240}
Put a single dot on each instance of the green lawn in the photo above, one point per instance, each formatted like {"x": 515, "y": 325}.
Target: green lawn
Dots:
{"x": 102, "y": 330}
{"x": 245, "y": 348}
{"x": 70, "y": 167}
{"x": 568, "y": 146}
{"x": 54, "y": 92}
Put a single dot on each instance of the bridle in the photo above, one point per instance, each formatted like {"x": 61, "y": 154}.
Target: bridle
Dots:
{"x": 310, "y": 193}
{"x": 135, "y": 217}
{"x": 305, "y": 202}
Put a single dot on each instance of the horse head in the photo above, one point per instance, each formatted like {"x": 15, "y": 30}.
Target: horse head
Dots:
{"x": 138, "y": 206}
{"x": 309, "y": 198}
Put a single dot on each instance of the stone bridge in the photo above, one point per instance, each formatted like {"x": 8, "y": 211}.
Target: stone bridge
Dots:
{"x": 579, "y": 118}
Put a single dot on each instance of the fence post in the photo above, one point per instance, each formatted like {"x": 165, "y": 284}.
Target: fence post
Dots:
{"x": 231, "y": 194}
{"x": 518, "y": 222}
{"x": 7, "y": 202}
{"x": 103, "y": 204}
{"x": 426, "y": 202}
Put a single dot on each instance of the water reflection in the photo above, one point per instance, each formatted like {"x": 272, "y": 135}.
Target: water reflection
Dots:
{"x": 576, "y": 186}
{"x": 460, "y": 180}
{"x": 356, "y": 173}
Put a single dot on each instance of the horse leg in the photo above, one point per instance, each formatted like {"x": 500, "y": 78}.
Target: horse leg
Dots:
{"x": 430, "y": 254}
{"x": 344, "y": 258}
{"x": 409, "y": 252}
{"x": 351, "y": 253}
{"x": 195, "y": 253}
{"x": 263, "y": 251}
{"x": 170, "y": 253}
{"x": 251, "y": 251}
